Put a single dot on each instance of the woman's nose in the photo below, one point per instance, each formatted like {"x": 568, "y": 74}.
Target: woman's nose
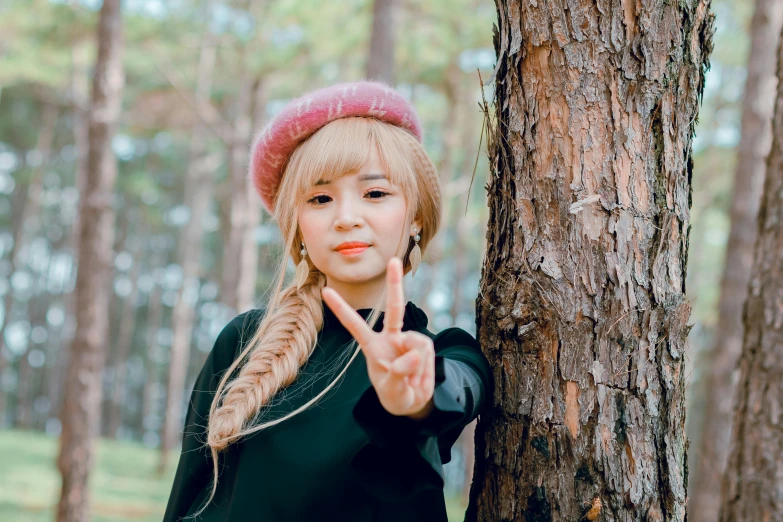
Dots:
{"x": 348, "y": 214}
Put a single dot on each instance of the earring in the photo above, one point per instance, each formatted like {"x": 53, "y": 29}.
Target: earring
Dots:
{"x": 415, "y": 255}
{"x": 302, "y": 269}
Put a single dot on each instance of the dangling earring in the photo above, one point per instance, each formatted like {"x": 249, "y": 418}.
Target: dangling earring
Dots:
{"x": 302, "y": 269}
{"x": 415, "y": 255}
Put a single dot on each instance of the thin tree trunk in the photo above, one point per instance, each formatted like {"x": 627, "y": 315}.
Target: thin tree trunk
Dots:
{"x": 82, "y": 394}
{"x": 151, "y": 367}
{"x": 24, "y": 389}
{"x": 31, "y": 376}
{"x": 460, "y": 221}
{"x": 79, "y": 103}
{"x": 753, "y": 480}
{"x": 124, "y": 342}
{"x": 49, "y": 372}
{"x": 758, "y": 106}
{"x": 240, "y": 256}
{"x": 581, "y": 308}
{"x": 452, "y": 123}
{"x": 462, "y": 226}
{"x": 29, "y": 224}
{"x": 198, "y": 194}
{"x": 116, "y": 317}
{"x": 383, "y": 38}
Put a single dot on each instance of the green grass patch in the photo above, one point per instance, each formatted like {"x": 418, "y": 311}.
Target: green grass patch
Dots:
{"x": 124, "y": 485}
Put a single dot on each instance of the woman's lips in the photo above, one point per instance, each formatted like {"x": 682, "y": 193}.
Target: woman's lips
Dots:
{"x": 352, "y": 251}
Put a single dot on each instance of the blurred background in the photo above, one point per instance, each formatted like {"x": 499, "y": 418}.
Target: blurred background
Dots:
{"x": 201, "y": 78}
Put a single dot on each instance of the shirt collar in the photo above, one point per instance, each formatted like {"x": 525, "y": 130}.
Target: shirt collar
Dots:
{"x": 414, "y": 317}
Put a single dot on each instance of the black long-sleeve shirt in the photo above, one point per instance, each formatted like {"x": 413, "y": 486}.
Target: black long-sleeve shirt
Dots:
{"x": 345, "y": 458}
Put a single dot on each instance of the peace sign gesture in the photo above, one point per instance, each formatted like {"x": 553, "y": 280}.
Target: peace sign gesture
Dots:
{"x": 401, "y": 365}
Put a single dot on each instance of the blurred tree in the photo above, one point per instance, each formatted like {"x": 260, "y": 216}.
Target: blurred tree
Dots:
{"x": 758, "y": 105}
{"x": 79, "y": 91}
{"x": 27, "y": 225}
{"x": 123, "y": 339}
{"x": 581, "y": 307}
{"x": 198, "y": 194}
{"x": 383, "y": 40}
{"x": 753, "y": 479}
{"x": 82, "y": 400}
{"x": 151, "y": 365}
{"x": 243, "y": 209}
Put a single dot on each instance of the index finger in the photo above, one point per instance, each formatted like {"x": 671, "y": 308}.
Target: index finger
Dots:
{"x": 395, "y": 299}
{"x": 350, "y": 318}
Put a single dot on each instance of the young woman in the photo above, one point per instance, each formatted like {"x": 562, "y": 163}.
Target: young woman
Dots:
{"x": 335, "y": 402}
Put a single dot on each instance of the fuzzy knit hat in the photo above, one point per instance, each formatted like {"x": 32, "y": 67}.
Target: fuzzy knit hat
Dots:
{"x": 303, "y": 116}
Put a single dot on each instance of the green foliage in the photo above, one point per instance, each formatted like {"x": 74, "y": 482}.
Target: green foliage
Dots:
{"x": 37, "y": 42}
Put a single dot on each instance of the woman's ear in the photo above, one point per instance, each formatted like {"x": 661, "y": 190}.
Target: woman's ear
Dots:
{"x": 415, "y": 228}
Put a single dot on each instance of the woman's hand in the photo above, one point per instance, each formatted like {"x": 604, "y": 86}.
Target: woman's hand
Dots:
{"x": 401, "y": 365}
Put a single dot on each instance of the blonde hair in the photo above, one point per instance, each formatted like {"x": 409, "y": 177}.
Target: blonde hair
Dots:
{"x": 286, "y": 335}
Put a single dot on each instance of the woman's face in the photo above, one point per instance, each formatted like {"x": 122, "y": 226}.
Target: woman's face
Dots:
{"x": 363, "y": 207}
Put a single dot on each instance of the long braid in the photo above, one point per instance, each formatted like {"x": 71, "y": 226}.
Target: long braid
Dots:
{"x": 283, "y": 344}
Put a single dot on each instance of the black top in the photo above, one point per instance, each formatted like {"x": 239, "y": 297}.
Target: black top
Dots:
{"x": 345, "y": 458}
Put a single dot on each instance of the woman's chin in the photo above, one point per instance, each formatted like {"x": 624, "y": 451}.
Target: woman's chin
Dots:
{"x": 357, "y": 273}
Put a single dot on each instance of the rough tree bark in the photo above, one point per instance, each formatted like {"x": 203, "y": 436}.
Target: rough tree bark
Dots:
{"x": 198, "y": 195}
{"x": 383, "y": 38}
{"x": 754, "y": 473}
{"x": 581, "y": 306}
{"x": 82, "y": 394}
{"x": 757, "y": 108}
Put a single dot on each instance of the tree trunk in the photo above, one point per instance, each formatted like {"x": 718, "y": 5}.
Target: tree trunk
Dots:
{"x": 151, "y": 367}
{"x": 453, "y": 121}
{"x": 754, "y": 473}
{"x": 124, "y": 342}
{"x": 198, "y": 194}
{"x": 383, "y": 38}
{"x": 240, "y": 252}
{"x": 757, "y": 108}
{"x": 80, "y": 92}
{"x": 31, "y": 375}
{"x": 29, "y": 224}
{"x": 50, "y": 387}
{"x": 24, "y": 390}
{"x": 82, "y": 394}
{"x": 581, "y": 306}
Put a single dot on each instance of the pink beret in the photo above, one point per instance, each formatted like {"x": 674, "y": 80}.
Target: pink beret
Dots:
{"x": 301, "y": 117}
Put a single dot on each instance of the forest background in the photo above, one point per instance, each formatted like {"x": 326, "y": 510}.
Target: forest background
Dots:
{"x": 201, "y": 79}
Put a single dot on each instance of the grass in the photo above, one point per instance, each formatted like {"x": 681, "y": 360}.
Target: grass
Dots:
{"x": 124, "y": 485}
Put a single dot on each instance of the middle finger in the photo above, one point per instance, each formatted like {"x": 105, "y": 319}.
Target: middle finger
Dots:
{"x": 395, "y": 299}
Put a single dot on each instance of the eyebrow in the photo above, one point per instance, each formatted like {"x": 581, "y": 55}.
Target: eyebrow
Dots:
{"x": 364, "y": 177}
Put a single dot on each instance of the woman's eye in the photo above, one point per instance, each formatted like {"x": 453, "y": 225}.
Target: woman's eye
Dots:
{"x": 323, "y": 199}
{"x": 317, "y": 199}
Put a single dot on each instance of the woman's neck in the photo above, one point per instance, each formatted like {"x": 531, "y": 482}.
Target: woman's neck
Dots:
{"x": 359, "y": 295}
